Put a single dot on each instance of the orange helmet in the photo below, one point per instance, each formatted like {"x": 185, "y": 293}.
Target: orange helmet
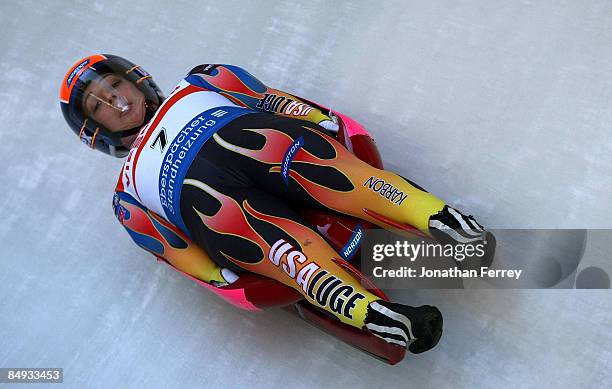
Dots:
{"x": 72, "y": 99}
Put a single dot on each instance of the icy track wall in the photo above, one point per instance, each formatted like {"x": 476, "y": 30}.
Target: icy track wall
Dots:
{"x": 500, "y": 109}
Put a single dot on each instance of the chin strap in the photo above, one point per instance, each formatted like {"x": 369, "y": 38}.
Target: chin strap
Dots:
{"x": 130, "y": 132}
{"x": 122, "y": 151}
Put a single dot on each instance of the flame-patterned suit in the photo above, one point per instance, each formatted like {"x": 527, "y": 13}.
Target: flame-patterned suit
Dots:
{"x": 222, "y": 163}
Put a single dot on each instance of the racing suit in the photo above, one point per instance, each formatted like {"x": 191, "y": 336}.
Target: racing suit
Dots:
{"x": 209, "y": 181}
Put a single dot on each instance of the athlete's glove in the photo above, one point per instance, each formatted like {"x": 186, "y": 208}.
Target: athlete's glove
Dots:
{"x": 228, "y": 276}
{"x": 332, "y": 124}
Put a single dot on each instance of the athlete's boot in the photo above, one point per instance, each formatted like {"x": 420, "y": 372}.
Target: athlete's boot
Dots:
{"x": 449, "y": 226}
{"x": 419, "y": 329}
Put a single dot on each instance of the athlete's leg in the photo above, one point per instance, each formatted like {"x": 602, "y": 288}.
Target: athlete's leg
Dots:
{"x": 320, "y": 171}
{"x": 259, "y": 233}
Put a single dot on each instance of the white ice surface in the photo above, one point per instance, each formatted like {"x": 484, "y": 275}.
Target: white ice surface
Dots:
{"x": 501, "y": 108}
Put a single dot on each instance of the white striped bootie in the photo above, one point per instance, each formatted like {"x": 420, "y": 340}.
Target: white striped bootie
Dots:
{"x": 449, "y": 226}
{"x": 419, "y": 329}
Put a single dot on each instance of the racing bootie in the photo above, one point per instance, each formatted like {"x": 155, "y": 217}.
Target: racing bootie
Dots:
{"x": 419, "y": 329}
{"x": 449, "y": 226}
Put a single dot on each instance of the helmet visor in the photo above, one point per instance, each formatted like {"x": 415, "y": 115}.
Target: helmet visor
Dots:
{"x": 114, "y": 102}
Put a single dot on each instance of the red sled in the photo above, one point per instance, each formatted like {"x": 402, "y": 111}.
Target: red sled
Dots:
{"x": 255, "y": 293}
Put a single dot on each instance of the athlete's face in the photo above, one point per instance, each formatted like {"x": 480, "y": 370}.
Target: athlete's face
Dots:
{"x": 116, "y": 104}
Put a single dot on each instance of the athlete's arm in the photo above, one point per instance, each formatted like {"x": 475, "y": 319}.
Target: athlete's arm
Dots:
{"x": 244, "y": 89}
{"x": 154, "y": 234}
